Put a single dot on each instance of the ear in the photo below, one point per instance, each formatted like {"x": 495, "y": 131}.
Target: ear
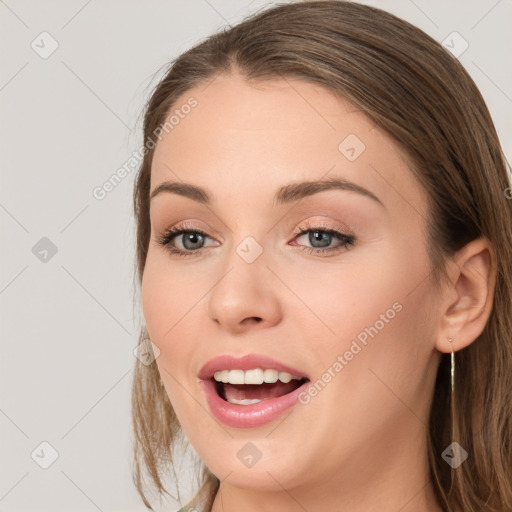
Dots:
{"x": 467, "y": 296}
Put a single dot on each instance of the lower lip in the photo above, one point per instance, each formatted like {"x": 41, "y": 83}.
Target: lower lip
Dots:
{"x": 247, "y": 416}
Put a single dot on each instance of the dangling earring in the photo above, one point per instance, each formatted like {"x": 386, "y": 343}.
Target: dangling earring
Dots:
{"x": 454, "y": 454}
{"x": 452, "y": 390}
{"x": 452, "y": 368}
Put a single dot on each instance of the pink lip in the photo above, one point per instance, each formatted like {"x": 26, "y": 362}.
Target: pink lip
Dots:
{"x": 247, "y": 362}
{"x": 246, "y": 416}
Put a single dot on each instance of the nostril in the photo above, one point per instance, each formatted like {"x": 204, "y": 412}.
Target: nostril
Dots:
{"x": 252, "y": 320}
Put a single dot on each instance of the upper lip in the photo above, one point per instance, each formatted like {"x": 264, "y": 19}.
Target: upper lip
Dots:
{"x": 245, "y": 362}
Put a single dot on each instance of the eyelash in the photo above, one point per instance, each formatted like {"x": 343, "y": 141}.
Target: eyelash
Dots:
{"x": 347, "y": 241}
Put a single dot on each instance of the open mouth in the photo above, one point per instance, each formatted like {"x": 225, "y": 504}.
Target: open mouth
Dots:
{"x": 251, "y": 390}
{"x": 229, "y": 388}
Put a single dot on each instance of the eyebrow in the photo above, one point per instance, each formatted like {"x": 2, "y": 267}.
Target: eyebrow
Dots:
{"x": 284, "y": 195}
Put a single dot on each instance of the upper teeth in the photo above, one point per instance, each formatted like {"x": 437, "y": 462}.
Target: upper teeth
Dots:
{"x": 256, "y": 376}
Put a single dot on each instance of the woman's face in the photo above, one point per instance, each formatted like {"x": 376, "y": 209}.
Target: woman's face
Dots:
{"x": 358, "y": 319}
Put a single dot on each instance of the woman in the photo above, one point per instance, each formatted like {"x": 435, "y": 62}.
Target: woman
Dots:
{"x": 323, "y": 248}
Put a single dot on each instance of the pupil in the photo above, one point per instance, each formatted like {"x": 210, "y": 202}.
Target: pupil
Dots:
{"x": 193, "y": 238}
{"x": 324, "y": 238}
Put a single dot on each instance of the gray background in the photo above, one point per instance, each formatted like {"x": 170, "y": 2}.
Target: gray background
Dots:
{"x": 68, "y": 122}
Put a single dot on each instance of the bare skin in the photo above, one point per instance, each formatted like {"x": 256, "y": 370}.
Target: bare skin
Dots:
{"x": 360, "y": 443}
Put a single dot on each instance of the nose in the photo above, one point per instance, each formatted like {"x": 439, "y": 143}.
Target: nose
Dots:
{"x": 245, "y": 297}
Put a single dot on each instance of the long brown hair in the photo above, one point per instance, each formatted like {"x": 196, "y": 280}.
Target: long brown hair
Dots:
{"x": 418, "y": 93}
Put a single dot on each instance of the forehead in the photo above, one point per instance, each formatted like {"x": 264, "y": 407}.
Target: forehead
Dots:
{"x": 254, "y": 137}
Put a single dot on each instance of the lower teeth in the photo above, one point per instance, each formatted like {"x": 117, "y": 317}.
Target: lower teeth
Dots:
{"x": 245, "y": 401}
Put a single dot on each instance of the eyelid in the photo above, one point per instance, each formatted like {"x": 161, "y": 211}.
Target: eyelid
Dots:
{"x": 177, "y": 230}
{"x": 299, "y": 230}
{"x": 192, "y": 225}
{"x": 345, "y": 236}
{"x": 323, "y": 225}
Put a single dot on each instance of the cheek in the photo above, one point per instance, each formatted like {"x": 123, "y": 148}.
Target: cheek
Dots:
{"x": 172, "y": 310}
{"x": 380, "y": 335}
{"x": 341, "y": 301}
{"x": 157, "y": 303}
{"x": 170, "y": 302}
{"x": 373, "y": 313}
{"x": 167, "y": 294}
